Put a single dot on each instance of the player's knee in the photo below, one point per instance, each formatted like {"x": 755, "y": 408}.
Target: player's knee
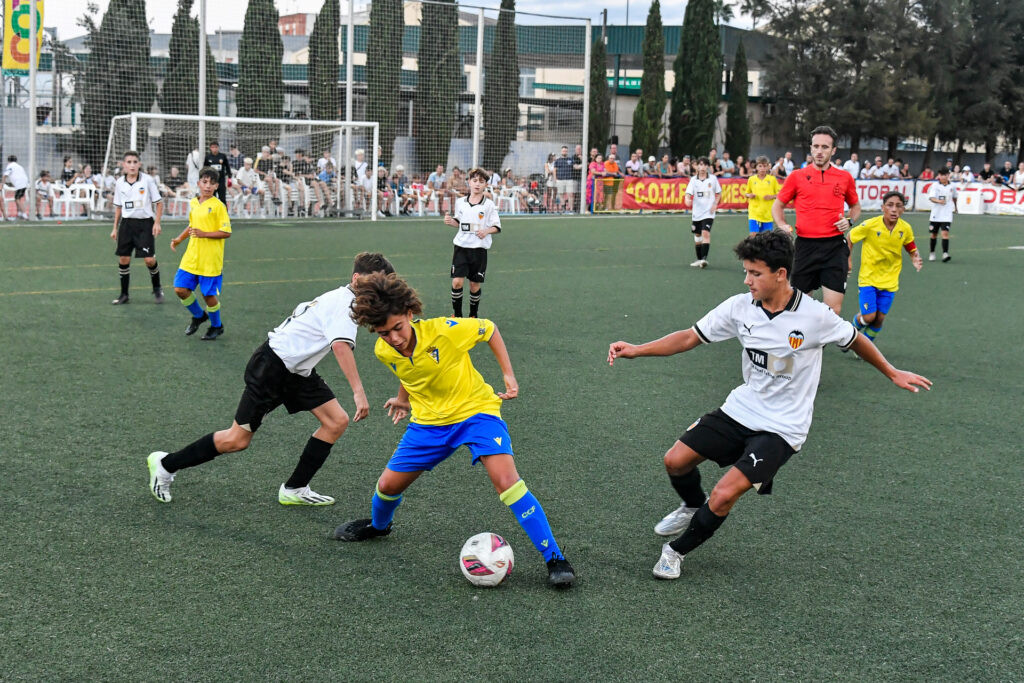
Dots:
{"x": 457, "y": 282}
{"x": 723, "y": 497}
{"x": 234, "y": 440}
{"x": 676, "y": 462}
{"x": 182, "y": 292}
{"x": 336, "y": 425}
{"x": 150, "y": 262}
{"x": 124, "y": 260}
{"x": 210, "y": 300}
{"x": 388, "y": 486}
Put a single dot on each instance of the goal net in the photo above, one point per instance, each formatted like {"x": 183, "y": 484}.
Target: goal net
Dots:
{"x": 276, "y": 167}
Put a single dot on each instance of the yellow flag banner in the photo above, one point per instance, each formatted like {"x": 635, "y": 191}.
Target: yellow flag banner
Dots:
{"x": 17, "y": 29}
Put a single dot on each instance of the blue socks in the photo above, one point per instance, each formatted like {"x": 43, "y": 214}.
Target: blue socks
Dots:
{"x": 872, "y": 332}
{"x": 193, "y": 306}
{"x": 531, "y": 517}
{"x": 214, "y": 312}
{"x": 383, "y": 509}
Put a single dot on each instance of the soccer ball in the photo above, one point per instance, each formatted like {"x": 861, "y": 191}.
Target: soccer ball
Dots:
{"x": 486, "y": 559}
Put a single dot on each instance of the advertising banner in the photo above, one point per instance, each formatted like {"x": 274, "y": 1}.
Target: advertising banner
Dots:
{"x": 659, "y": 194}
{"x": 17, "y": 23}
{"x": 872, "y": 191}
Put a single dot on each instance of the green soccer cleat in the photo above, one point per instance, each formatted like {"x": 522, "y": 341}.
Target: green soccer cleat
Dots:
{"x": 303, "y": 496}
{"x": 159, "y": 478}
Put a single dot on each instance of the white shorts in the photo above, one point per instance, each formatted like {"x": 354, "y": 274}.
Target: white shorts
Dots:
{"x": 567, "y": 186}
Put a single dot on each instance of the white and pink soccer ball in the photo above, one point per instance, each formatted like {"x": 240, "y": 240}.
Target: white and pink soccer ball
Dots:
{"x": 486, "y": 559}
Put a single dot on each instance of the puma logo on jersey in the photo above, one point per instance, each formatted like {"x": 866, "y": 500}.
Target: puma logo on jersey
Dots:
{"x": 747, "y": 327}
{"x": 755, "y": 459}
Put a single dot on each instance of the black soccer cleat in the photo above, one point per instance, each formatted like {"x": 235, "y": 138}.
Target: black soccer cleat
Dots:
{"x": 194, "y": 324}
{"x": 158, "y": 295}
{"x": 360, "y": 530}
{"x": 560, "y": 573}
{"x": 123, "y": 299}
{"x": 213, "y": 332}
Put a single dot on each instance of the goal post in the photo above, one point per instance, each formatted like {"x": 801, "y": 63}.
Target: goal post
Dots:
{"x": 172, "y": 138}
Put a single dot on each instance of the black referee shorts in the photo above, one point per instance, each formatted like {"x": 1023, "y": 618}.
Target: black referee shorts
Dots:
{"x": 820, "y": 262}
{"x": 722, "y": 440}
{"x": 268, "y": 384}
{"x": 469, "y": 263}
{"x": 137, "y": 234}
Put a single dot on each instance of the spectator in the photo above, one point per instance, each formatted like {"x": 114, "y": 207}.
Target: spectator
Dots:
{"x": 264, "y": 167}
{"x": 247, "y": 180}
{"x": 367, "y": 187}
{"x": 436, "y": 184}
{"x": 868, "y": 172}
{"x": 891, "y": 169}
{"x": 457, "y": 186}
{"x": 169, "y": 186}
{"x": 596, "y": 170}
{"x": 403, "y": 192}
{"x": 634, "y": 167}
{"x": 550, "y": 184}
{"x": 273, "y": 147}
{"x": 905, "y": 172}
{"x": 787, "y": 164}
{"x": 305, "y": 173}
{"x": 986, "y": 174}
{"x": 714, "y": 165}
{"x": 563, "y": 175}
{"x": 808, "y": 160}
{"x": 612, "y": 174}
{"x": 684, "y": 168}
{"x": 384, "y": 193}
{"x": 949, "y": 165}
{"x": 742, "y": 167}
{"x": 43, "y": 194}
{"x": 358, "y": 164}
{"x": 727, "y": 165}
{"x": 967, "y": 176}
{"x": 1018, "y": 177}
{"x": 1006, "y": 175}
{"x": 418, "y": 191}
{"x": 68, "y": 174}
{"x": 614, "y": 149}
{"x": 577, "y": 170}
{"x": 927, "y": 174}
{"x": 956, "y": 175}
{"x": 650, "y": 169}
{"x": 852, "y": 166}
{"x": 779, "y": 169}
{"x": 193, "y": 163}
{"x": 665, "y": 167}
{"x": 235, "y": 158}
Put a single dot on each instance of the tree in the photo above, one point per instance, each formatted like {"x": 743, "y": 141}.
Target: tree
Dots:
{"x": 501, "y": 90}
{"x": 647, "y": 123}
{"x": 180, "y": 91}
{"x": 260, "y": 92}
{"x": 698, "y": 81}
{"x": 384, "y": 70}
{"x": 737, "y": 127}
{"x": 324, "y": 96}
{"x": 600, "y": 100}
{"x": 438, "y": 83}
{"x": 118, "y": 77}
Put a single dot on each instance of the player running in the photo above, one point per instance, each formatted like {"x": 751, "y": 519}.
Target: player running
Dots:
{"x": 450, "y": 406}
{"x": 765, "y": 420}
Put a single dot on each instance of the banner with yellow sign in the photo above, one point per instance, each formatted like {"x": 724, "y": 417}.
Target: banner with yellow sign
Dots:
{"x": 17, "y": 29}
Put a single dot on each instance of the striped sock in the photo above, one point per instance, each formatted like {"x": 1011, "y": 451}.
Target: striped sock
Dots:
{"x": 474, "y": 302}
{"x": 154, "y": 275}
{"x": 125, "y": 273}
{"x": 193, "y": 306}
{"x": 457, "y": 302}
{"x": 383, "y": 508}
{"x": 531, "y": 517}
{"x": 214, "y": 312}
{"x": 872, "y": 332}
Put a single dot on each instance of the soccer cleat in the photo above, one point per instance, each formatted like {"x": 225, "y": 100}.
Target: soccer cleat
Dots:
{"x": 931, "y": 256}
{"x": 560, "y": 573}
{"x": 303, "y": 496}
{"x": 123, "y": 299}
{"x": 159, "y": 478}
{"x": 668, "y": 566}
{"x": 158, "y": 295}
{"x": 194, "y": 324}
{"x": 697, "y": 263}
{"x": 675, "y": 522}
{"x": 945, "y": 257}
{"x": 213, "y": 332}
{"x": 703, "y": 263}
{"x": 360, "y": 530}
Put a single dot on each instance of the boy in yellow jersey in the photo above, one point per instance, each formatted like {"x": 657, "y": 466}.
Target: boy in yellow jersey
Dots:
{"x": 760, "y": 190}
{"x": 881, "y": 262}
{"x": 203, "y": 262}
{"x": 450, "y": 405}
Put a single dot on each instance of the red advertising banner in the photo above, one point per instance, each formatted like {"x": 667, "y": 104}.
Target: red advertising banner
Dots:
{"x": 659, "y": 194}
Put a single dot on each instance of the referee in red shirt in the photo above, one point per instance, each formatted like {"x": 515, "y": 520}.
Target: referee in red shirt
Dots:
{"x": 819, "y": 190}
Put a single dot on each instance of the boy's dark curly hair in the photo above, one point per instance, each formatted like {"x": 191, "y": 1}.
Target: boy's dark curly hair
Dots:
{"x": 380, "y": 296}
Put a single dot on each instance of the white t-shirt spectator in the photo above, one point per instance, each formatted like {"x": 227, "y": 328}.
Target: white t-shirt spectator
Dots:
{"x": 788, "y": 165}
{"x": 359, "y": 166}
{"x": 967, "y": 176}
{"x": 891, "y": 171}
{"x": 16, "y": 176}
{"x": 852, "y": 167}
{"x": 436, "y": 180}
{"x": 703, "y": 193}
{"x": 634, "y": 167}
{"x": 306, "y": 336}
{"x": 248, "y": 177}
{"x": 941, "y": 213}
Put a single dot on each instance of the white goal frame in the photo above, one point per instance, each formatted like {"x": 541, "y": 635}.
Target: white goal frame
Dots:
{"x": 345, "y": 126}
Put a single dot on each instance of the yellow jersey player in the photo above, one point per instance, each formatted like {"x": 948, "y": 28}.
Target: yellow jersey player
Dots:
{"x": 203, "y": 262}
{"x": 450, "y": 405}
{"x": 760, "y": 191}
{"x": 881, "y": 262}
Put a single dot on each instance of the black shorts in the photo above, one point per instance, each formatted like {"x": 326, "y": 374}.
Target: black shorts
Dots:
{"x": 821, "y": 262}
{"x": 469, "y": 263}
{"x": 700, "y": 226}
{"x": 18, "y": 194}
{"x": 723, "y": 440}
{"x": 268, "y": 384}
{"x": 933, "y": 228}
{"x": 137, "y": 234}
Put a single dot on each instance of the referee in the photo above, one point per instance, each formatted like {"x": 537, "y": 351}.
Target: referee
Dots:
{"x": 819, "y": 190}
{"x": 219, "y": 161}
{"x": 137, "y": 212}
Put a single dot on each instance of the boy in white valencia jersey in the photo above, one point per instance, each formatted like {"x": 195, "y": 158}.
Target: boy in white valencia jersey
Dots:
{"x": 476, "y": 218}
{"x": 942, "y": 195}
{"x": 703, "y": 192}
{"x": 765, "y": 420}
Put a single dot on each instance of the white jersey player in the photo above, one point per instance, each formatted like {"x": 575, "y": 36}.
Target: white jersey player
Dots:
{"x": 138, "y": 207}
{"x": 282, "y": 371}
{"x": 764, "y": 421}
{"x": 476, "y": 218}
{"x": 942, "y": 195}
{"x": 703, "y": 192}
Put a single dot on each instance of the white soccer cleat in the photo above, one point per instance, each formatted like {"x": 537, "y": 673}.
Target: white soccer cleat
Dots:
{"x": 931, "y": 256}
{"x": 675, "y": 522}
{"x": 303, "y": 496}
{"x": 703, "y": 263}
{"x": 159, "y": 478}
{"x": 669, "y": 563}
{"x": 697, "y": 264}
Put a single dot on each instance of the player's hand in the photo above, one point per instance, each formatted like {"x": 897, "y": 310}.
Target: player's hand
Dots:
{"x": 620, "y": 349}
{"x": 397, "y": 410}
{"x": 917, "y": 261}
{"x": 910, "y": 381}
{"x": 787, "y": 227}
{"x": 511, "y": 388}
{"x": 193, "y": 232}
{"x": 157, "y": 229}
{"x": 450, "y": 221}
{"x": 483, "y": 232}
{"x": 843, "y": 225}
{"x": 174, "y": 243}
{"x": 362, "y": 405}
{"x": 113, "y": 234}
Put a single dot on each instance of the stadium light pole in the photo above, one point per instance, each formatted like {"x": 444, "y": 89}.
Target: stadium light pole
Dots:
{"x": 33, "y": 55}
{"x": 477, "y": 99}
{"x": 202, "y": 75}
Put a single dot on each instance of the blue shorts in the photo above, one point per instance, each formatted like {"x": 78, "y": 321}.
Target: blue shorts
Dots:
{"x": 874, "y": 299}
{"x": 209, "y": 285}
{"x": 423, "y": 447}
{"x": 758, "y": 226}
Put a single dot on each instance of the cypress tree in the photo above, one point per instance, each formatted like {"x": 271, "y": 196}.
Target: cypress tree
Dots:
{"x": 118, "y": 78}
{"x": 180, "y": 91}
{"x": 737, "y": 127}
{"x": 438, "y": 83}
{"x": 384, "y": 70}
{"x": 324, "y": 96}
{"x": 698, "y": 77}
{"x": 260, "y": 91}
{"x": 501, "y": 90}
{"x": 600, "y": 101}
{"x": 647, "y": 118}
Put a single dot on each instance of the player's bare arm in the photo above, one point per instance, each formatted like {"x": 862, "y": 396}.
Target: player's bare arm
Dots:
{"x": 159, "y": 209}
{"x": 398, "y": 407}
{"x": 910, "y": 381}
{"x": 779, "y": 215}
{"x": 484, "y": 232}
{"x": 347, "y": 363}
{"x": 117, "y": 221}
{"x": 175, "y": 241}
{"x": 450, "y": 221}
{"x": 718, "y": 199}
{"x": 669, "y": 345}
{"x": 497, "y": 345}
